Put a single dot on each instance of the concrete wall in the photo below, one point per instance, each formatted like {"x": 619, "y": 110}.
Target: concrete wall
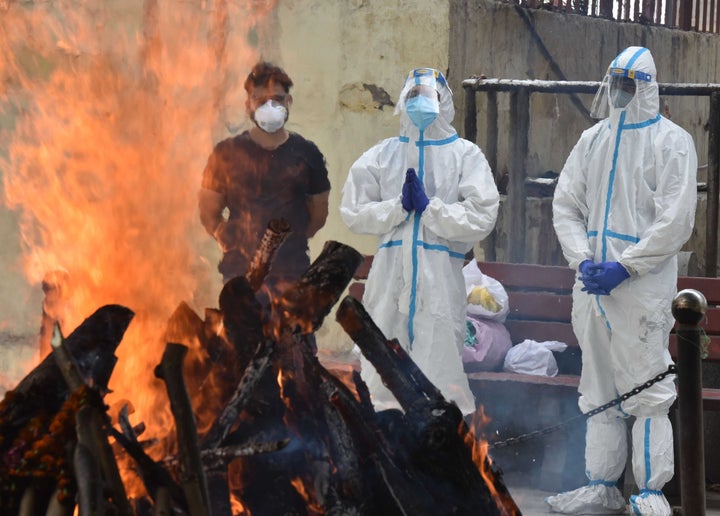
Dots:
{"x": 490, "y": 38}
{"x": 348, "y": 60}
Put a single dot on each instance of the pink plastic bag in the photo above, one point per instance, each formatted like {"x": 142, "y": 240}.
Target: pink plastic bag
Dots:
{"x": 491, "y": 344}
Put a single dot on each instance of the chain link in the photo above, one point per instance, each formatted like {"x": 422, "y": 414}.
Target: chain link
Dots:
{"x": 617, "y": 401}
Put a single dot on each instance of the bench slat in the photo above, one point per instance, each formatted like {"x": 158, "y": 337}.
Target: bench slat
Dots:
{"x": 711, "y": 324}
{"x": 364, "y": 268}
{"x": 713, "y": 348}
{"x": 357, "y": 290}
{"x": 711, "y": 397}
{"x": 710, "y": 287}
{"x": 539, "y": 277}
{"x": 541, "y": 306}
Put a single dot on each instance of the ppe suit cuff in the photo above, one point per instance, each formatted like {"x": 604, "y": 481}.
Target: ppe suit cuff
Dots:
{"x": 434, "y": 205}
{"x": 575, "y": 264}
{"x": 631, "y": 271}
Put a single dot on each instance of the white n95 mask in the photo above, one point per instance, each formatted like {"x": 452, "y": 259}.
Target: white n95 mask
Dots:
{"x": 271, "y": 116}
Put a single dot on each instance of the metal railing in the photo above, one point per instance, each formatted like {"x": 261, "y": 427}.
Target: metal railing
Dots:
{"x": 696, "y": 15}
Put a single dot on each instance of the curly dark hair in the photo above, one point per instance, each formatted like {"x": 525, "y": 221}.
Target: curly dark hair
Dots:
{"x": 264, "y": 74}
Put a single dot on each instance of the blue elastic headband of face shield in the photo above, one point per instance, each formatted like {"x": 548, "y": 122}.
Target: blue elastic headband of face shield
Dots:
{"x": 631, "y": 74}
{"x": 423, "y": 72}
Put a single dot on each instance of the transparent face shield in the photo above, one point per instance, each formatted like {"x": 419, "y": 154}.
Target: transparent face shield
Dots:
{"x": 622, "y": 90}
{"x": 617, "y": 89}
{"x": 424, "y": 82}
{"x": 600, "y": 108}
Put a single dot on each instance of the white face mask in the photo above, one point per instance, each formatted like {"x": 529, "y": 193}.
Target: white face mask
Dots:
{"x": 271, "y": 116}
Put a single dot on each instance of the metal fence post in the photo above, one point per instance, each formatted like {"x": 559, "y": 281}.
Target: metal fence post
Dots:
{"x": 689, "y": 307}
{"x": 713, "y": 186}
{"x": 516, "y": 198}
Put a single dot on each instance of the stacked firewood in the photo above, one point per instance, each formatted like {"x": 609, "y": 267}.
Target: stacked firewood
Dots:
{"x": 290, "y": 438}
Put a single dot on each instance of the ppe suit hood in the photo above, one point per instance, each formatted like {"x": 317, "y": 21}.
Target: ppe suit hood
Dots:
{"x": 442, "y": 127}
{"x": 636, "y": 63}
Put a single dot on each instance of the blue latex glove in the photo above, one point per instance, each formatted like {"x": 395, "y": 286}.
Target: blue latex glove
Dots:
{"x": 603, "y": 277}
{"x": 584, "y": 266}
{"x": 407, "y": 203}
{"x": 586, "y": 276}
{"x": 589, "y": 284}
{"x": 417, "y": 193}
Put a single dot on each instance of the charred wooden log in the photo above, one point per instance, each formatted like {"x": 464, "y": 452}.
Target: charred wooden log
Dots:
{"x": 194, "y": 481}
{"x": 372, "y": 481}
{"x": 276, "y": 233}
{"x": 306, "y": 303}
{"x": 92, "y": 444}
{"x": 87, "y": 469}
{"x": 158, "y": 481}
{"x": 42, "y": 400}
{"x": 254, "y": 373}
{"x": 438, "y": 446}
{"x": 36, "y": 498}
{"x": 43, "y": 389}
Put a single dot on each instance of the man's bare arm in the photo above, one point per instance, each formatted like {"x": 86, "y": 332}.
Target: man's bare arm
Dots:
{"x": 317, "y": 206}
{"x": 211, "y": 205}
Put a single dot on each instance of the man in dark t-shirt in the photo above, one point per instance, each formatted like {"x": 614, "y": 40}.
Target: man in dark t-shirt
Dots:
{"x": 262, "y": 174}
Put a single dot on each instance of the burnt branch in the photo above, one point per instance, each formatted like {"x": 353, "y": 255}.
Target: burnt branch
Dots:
{"x": 277, "y": 231}
{"x": 254, "y": 372}
{"x": 381, "y": 353}
{"x": 157, "y": 480}
{"x": 193, "y": 475}
{"x": 306, "y": 303}
{"x": 440, "y": 446}
{"x": 87, "y": 469}
{"x": 44, "y": 389}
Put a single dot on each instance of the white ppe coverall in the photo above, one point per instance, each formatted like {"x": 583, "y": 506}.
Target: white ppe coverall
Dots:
{"x": 627, "y": 194}
{"x": 415, "y": 290}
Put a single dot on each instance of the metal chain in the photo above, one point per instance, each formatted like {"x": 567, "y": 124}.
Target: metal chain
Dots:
{"x": 545, "y": 431}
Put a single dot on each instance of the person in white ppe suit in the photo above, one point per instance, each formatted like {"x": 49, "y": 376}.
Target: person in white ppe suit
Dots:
{"x": 623, "y": 207}
{"x": 428, "y": 195}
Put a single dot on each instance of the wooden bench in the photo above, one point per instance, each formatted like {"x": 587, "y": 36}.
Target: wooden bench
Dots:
{"x": 540, "y": 299}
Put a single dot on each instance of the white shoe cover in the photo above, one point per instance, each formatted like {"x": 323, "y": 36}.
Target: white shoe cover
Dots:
{"x": 594, "y": 499}
{"x": 650, "y": 503}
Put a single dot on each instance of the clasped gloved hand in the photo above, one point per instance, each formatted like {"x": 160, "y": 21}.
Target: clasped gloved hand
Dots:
{"x": 602, "y": 278}
{"x": 584, "y": 265}
{"x": 406, "y": 195}
{"x": 413, "y": 193}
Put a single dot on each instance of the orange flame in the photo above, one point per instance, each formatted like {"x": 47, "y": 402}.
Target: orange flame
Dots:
{"x": 115, "y": 111}
{"x": 312, "y": 506}
{"x": 479, "y": 449}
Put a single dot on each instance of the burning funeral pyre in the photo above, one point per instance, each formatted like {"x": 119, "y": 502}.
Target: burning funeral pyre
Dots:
{"x": 277, "y": 434}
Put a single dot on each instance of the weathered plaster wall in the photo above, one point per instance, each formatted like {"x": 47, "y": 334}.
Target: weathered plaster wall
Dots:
{"x": 490, "y": 38}
{"x": 349, "y": 60}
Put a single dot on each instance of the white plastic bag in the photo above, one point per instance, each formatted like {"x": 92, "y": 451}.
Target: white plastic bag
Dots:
{"x": 486, "y": 296}
{"x": 532, "y": 357}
